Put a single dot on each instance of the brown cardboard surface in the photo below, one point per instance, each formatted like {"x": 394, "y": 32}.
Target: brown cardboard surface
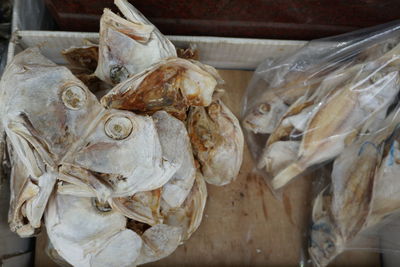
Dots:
{"x": 244, "y": 224}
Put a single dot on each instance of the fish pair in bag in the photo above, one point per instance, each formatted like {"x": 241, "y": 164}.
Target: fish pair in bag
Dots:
{"x": 116, "y": 179}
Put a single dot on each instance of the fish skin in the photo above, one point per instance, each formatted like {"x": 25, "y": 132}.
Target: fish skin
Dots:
{"x": 159, "y": 242}
{"x": 142, "y": 207}
{"x": 176, "y": 147}
{"x": 190, "y": 214}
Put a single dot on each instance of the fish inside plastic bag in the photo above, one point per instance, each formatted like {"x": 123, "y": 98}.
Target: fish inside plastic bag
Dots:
{"x": 317, "y": 101}
{"x": 332, "y": 107}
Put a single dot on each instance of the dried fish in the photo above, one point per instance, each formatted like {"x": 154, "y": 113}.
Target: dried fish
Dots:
{"x": 159, "y": 242}
{"x": 85, "y": 235}
{"x": 73, "y": 138}
{"x": 129, "y": 46}
{"x": 136, "y": 163}
{"x": 298, "y": 114}
{"x": 352, "y": 180}
{"x": 171, "y": 85}
{"x": 189, "y": 215}
{"x": 341, "y": 116}
{"x": 386, "y": 191}
{"x": 217, "y": 142}
{"x": 361, "y": 194}
{"x": 263, "y": 118}
{"x": 176, "y": 148}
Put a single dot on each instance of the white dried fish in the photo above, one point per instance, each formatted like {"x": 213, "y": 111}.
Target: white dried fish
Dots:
{"x": 23, "y": 190}
{"x": 360, "y": 196}
{"x": 171, "y": 85}
{"x": 217, "y": 142}
{"x": 264, "y": 117}
{"x": 86, "y": 235}
{"x": 339, "y": 117}
{"x": 386, "y": 190}
{"x": 129, "y": 46}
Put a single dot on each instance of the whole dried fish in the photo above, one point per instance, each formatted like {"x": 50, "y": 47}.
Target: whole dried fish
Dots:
{"x": 129, "y": 46}
{"x": 298, "y": 114}
{"x": 217, "y": 142}
{"x": 341, "y": 116}
{"x": 263, "y": 118}
{"x": 171, "y": 85}
{"x": 385, "y": 195}
{"x": 360, "y": 181}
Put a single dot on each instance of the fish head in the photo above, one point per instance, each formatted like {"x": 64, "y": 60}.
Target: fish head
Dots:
{"x": 172, "y": 85}
{"x": 128, "y": 46}
{"x": 121, "y": 155}
{"x": 45, "y": 108}
{"x": 264, "y": 117}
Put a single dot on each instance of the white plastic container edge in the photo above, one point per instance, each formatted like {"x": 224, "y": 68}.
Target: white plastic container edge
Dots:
{"x": 224, "y": 53}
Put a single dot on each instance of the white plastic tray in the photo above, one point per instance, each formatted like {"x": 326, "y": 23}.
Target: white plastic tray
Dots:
{"x": 225, "y": 53}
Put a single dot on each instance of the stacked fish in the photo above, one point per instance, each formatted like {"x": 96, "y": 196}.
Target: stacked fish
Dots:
{"x": 118, "y": 181}
{"x": 344, "y": 113}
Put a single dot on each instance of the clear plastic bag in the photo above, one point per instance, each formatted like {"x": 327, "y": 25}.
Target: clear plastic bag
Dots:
{"x": 333, "y": 107}
{"x": 303, "y": 110}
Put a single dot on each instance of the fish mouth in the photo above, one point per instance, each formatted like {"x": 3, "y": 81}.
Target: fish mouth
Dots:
{"x": 86, "y": 182}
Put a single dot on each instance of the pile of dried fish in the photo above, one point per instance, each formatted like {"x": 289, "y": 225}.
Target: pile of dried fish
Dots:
{"x": 339, "y": 112}
{"x": 115, "y": 161}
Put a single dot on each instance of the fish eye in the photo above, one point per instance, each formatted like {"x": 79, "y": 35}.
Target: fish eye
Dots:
{"x": 264, "y": 108}
{"x": 118, "y": 127}
{"x": 118, "y": 73}
{"x": 102, "y": 207}
{"x": 74, "y": 97}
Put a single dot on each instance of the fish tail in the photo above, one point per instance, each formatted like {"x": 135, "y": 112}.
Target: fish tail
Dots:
{"x": 286, "y": 175}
